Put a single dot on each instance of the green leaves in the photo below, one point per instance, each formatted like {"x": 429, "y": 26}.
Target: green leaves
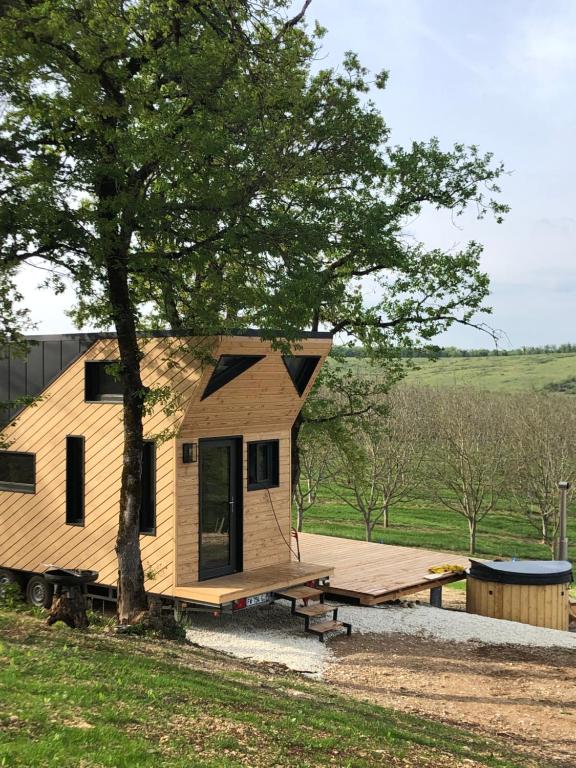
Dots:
{"x": 239, "y": 186}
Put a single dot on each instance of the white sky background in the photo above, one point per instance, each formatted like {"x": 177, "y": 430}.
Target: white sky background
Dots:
{"x": 497, "y": 73}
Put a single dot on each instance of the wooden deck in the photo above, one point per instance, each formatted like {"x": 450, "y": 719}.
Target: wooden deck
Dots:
{"x": 225, "y": 589}
{"x": 376, "y": 573}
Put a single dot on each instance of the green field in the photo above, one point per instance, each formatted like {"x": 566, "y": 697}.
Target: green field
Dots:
{"x": 511, "y": 373}
{"x": 71, "y": 699}
{"x": 420, "y": 523}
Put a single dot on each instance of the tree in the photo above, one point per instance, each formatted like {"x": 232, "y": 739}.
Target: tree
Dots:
{"x": 543, "y": 435}
{"x": 400, "y": 450}
{"x": 180, "y": 165}
{"x": 315, "y": 454}
{"x": 466, "y": 471}
{"x": 356, "y": 469}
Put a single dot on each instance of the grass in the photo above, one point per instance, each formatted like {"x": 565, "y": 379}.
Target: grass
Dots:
{"x": 421, "y": 523}
{"x": 513, "y": 373}
{"x": 86, "y": 700}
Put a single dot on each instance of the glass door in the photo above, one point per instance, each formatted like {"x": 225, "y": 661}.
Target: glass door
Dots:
{"x": 220, "y": 507}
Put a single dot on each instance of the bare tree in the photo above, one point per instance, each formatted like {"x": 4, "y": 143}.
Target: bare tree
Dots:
{"x": 467, "y": 466}
{"x": 543, "y": 434}
{"x": 356, "y": 470}
{"x": 400, "y": 450}
{"x": 314, "y": 453}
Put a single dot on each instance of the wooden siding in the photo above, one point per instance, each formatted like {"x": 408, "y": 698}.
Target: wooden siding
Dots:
{"x": 260, "y": 404}
{"x": 544, "y": 605}
{"x": 33, "y": 532}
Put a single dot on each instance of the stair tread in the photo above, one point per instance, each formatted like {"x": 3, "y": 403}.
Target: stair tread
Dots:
{"x": 326, "y": 626}
{"x": 300, "y": 593}
{"x": 316, "y": 610}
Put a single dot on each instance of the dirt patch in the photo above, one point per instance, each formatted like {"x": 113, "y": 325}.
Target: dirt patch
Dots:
{"x": 525, "y": 695}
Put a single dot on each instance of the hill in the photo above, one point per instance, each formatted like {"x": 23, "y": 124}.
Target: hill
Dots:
{"x": 73, "y": 699}
{"x": 512, "y": 373}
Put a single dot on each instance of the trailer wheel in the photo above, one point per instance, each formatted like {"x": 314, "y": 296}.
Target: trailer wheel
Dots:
{"x": 39, "y": 592}
{"x": 8, "y": 577}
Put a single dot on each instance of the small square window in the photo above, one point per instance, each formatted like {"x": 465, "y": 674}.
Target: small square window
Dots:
{"x": 263, "y": 464}
{"x": 100, "y": 385}
{"x": 17, "y": 472}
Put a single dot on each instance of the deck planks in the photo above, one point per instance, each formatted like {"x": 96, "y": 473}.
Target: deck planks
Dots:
{"x": 247, "y": 583}
{"x": 376, "y": 573}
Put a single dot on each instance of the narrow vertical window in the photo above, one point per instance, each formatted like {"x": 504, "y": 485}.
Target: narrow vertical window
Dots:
{"x": 74, "y": 480}
{"x": 148, "y": 503}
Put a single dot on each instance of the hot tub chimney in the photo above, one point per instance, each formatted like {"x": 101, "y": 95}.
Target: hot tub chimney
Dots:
{"x": 562, "y": 549}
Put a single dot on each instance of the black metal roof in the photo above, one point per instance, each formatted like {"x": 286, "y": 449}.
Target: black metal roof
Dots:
{"x": 25, "y": 376}
{"x": 92, "y": 336}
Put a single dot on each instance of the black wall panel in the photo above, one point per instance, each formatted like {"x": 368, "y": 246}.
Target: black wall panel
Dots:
{"x": 27, "y": 376}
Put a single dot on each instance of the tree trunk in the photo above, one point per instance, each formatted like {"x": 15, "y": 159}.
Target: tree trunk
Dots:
{"x": 472, "y": 535}
{"x": 69, "y": 606}
{"x": 386, "y": 516}
{"x": 369, "y": 527}
{"x": 131, "y": 594}
{"x": 300, "y": 519}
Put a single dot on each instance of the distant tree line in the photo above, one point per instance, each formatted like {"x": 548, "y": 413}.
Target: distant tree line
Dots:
{"x": 437, "y": 352}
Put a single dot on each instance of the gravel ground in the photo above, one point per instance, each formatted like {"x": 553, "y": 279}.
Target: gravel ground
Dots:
{"x": 272, "y": 634}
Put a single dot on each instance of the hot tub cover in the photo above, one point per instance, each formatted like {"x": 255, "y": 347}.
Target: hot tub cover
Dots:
{"x": 523, "y": 571}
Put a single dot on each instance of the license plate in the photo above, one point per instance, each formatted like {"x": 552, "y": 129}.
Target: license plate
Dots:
{"x": 265, "y": 597}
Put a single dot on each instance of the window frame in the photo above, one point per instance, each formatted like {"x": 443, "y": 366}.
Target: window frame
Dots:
{"x": 151, "y": 531}
{"x": 20, "y": 487}
{"x": 219, "y": 379}
{"x": 253, "y": 483}
{"x": 79, "y": 522}
{"x": 302, "y": 378}
{"x": 91, "y": 382}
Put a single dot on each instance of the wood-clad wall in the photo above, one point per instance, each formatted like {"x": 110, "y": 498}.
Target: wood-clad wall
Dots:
{"x": 33, "y": 531}
{"x": 260, "y": 404}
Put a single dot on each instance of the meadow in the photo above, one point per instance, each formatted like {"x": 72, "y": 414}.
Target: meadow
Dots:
{"x": 501, "y": 373}
{"x": 420, "y": 523}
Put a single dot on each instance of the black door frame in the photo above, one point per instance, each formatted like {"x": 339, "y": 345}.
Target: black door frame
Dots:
{"x": 237, "y": 519}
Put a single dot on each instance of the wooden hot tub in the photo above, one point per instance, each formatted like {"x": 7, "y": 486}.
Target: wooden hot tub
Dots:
{"x": 530, "y": 591}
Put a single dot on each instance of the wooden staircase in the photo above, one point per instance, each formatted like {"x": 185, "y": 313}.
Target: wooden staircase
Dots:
{"x": 312, "y": 607}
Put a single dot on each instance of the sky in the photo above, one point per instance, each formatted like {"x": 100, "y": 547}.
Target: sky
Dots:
{"x": 497, "y": 73}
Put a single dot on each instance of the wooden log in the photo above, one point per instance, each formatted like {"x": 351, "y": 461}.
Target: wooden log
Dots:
{"x": 69, "y": 606}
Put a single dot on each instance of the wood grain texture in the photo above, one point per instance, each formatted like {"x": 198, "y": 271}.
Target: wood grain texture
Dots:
{"x": 32, "y": 528}
{"x": 260, "y": 404}
{"x": 376, "y": 573}
{"x": 238, "y": 585}
{"x": 545, "y": 605}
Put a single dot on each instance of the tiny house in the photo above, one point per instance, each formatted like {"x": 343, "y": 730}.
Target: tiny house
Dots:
{"x": 215, "y": 518}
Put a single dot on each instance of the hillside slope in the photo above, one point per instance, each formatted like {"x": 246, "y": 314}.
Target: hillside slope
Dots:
{"x": 502, "y": 373}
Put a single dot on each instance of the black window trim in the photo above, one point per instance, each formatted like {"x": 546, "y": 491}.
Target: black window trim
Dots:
{"x": 80, "y": 523}
{"x": 20, "y": 487}
{"x": 275, "y": 482}
{"x": 219, "y": 380}
{"x": 150, "y": 531}
{"x": 111, "y": 398}
{"x": 296, "y": 381}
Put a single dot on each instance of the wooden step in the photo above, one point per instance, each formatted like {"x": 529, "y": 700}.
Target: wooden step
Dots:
{"x": 318, "y": 609}
{"x": 301, "y": 593}
{"x": 324, "y": 627}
